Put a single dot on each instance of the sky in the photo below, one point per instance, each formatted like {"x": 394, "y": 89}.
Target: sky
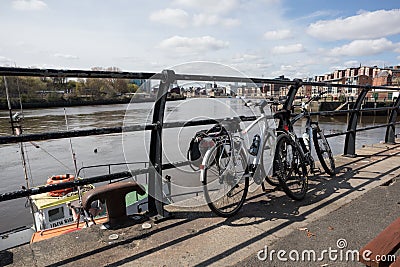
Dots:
{"x": 260, "y": 38}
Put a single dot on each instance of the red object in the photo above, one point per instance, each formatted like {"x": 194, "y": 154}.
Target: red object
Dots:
{"x": 56, "y": 179}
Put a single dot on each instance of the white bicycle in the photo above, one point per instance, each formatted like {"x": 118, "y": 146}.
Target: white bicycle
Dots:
{"x": 228, "y": 164}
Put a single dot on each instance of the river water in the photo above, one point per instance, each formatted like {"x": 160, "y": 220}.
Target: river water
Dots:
{"x": 47, "y": 158}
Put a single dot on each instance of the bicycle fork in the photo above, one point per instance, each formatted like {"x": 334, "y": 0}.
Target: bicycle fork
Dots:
{"x": 306, "y": 143}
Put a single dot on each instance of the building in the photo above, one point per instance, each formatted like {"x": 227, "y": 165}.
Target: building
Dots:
{"x": 363, "y": 75}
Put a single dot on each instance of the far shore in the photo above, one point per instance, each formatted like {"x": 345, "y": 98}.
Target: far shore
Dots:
{"x": 72, "y": 103}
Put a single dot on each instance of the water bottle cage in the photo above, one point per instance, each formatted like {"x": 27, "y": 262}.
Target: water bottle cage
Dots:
{"x": 255, "y": 145}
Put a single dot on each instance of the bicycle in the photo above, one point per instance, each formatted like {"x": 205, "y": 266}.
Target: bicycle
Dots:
{"x": 293, "y": 159}
{"x": 228, "y": 165}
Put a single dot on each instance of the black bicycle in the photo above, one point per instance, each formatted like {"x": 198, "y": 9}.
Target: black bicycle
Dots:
{"x": 293, "y": 159}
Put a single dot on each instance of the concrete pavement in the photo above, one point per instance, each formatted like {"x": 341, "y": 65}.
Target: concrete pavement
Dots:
{"x": 355, "y": 206}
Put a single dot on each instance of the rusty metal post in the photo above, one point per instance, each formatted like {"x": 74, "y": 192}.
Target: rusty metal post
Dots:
{"x": 156, "y": 205}
{"x": 390, "y": 130}
{"x": 350, "y": 142}
{"x": 114, "y": 195}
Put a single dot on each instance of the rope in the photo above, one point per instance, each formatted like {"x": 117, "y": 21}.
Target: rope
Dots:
{"x": 48, "y": 153}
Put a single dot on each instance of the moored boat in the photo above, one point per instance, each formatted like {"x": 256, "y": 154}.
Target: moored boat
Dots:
{"x": 53, "y": 211}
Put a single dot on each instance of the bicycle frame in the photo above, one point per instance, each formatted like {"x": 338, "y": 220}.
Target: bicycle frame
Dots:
{"x": 266, "y": 134}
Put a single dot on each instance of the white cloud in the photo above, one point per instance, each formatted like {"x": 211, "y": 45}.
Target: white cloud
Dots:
{"x": 204, "y": 19}
{"x": 292, "y": 70}
{"x": 65, "y": 56}
{"x": 211, "y": 6}
{"x": 176, "y": 17}
{"x": 288, "y": 49}
{"x": 321, "y": 13}
{"x": 277, "y": 35}
{"x": 246, "y": 57}
{"x": 365, "y": 25}
{"x": 28, "y": 4}
{"x": 283, "y": 70}
{"x": 287, "y": 68}
{"x": 5, "y": 60}
{"x": 365, "y": 47}
{"x": 193, "y": 45}
{"x": 229, "y": 22}
{"x": 351, "y": 63}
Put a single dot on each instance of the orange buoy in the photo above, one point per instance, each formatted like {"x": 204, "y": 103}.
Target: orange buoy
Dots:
{"x": 56, "y": 179}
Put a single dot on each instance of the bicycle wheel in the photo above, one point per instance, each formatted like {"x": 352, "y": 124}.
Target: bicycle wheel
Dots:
{"x": 291, "y": 170}
{"x": 324, "y": 152}
{"x": 268, "y": 163}
{"x": 224, "y": 178}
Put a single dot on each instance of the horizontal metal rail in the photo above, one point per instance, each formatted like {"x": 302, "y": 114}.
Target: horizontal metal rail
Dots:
{"x": 73, "y": 133}
{"x": 9, "y": 71}
{"x": 80, "y": 182}
{"x": 335, "y": 134}
{"x": 333, "y": 112}
{"x": 361, "y": 129}
{"x": 109, "y": 130}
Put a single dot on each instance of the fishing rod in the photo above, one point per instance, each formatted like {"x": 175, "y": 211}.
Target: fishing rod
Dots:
{"x": 9, "y": 106}
{"x": 17, "y": 130}
{"x": 85, "y": 215}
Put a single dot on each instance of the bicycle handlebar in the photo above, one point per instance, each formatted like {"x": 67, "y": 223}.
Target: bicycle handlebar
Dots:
{"x": 261, "y": 104}
{"x": 314, "y": 98}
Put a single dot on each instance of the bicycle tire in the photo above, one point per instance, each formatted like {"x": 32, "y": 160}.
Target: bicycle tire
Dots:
{"x": 324, "y": 152}
{"x": 225, "y": 180}
{"x": 272, "y": 179}
{"x": 264, "y": 171}
{"x": 292, "y": 172}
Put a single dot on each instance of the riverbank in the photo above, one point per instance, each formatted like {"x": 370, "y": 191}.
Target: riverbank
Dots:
{"x": 336, "y": 105}
{"x": 315, "y": 106}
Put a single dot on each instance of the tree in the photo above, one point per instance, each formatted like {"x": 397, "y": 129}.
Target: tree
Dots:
{"x": 109, "y": 87}
{"x": 94, "y": 86}
{"x": 28, "y": 88}
{"x": 79, "y": 87}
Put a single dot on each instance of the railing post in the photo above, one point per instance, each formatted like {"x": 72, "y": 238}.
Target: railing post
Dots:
{"x": 155, "y": 196}
{"x": 350, "y": 142}
{"x": 390, "y": 130}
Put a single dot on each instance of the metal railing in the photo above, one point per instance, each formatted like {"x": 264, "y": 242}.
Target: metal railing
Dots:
{"x": 156, "y": 166}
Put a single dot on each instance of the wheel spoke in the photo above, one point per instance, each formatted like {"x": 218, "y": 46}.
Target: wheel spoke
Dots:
{"x": 225, "y": 186}
{"x": 293, "y": 177}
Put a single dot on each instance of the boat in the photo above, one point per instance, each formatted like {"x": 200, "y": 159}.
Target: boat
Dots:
{"x": 53, "y": 209}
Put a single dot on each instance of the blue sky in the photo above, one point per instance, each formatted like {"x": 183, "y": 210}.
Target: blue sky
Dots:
{"x": 261, "y": 38}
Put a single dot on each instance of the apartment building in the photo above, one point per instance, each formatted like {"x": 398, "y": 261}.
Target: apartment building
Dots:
{"x": 363, "y": 75}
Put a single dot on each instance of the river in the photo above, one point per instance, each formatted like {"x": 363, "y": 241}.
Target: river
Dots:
{"x": 46, "y": 158}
